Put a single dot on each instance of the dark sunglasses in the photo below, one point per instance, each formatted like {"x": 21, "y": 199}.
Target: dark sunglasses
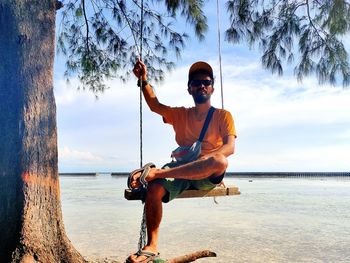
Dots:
{"x": 200, "y": 82}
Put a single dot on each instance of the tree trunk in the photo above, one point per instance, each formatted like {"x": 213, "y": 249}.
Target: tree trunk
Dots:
{"x": 31, "y": 227}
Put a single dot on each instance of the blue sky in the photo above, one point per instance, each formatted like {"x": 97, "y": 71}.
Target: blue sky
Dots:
{"x": 282, "y": 125}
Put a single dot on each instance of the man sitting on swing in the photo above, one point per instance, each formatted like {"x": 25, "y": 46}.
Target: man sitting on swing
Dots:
{"x": 206, "y": 137}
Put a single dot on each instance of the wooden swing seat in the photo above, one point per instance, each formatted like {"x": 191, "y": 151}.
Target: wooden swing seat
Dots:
{"x": 217, "y": 191}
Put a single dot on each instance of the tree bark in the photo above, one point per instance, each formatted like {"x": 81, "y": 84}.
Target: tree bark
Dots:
{"x": 31, "y": 226}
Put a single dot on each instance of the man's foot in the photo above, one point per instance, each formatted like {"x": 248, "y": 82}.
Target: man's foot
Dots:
{"x": 145, "y": 255}
{"x": 141, "y": 176}
{"x": 134, "y": 180}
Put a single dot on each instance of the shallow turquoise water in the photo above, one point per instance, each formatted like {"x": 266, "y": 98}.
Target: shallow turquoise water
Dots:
{"x": 273, "y": 220}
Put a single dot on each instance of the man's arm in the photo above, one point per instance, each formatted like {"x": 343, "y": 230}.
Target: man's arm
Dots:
{"x": 226, "y": 149}
{"x": 152, "y": 100}
{"x": 140, "y": 69}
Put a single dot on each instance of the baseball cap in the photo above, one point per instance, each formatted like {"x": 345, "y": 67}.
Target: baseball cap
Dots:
{"x": 200, "y": 66}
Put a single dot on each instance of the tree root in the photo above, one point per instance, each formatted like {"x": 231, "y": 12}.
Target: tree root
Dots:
{"x": 192, "y": 257}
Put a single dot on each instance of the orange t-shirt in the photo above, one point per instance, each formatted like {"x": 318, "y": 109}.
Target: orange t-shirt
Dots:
{"x": 187, "y": 128}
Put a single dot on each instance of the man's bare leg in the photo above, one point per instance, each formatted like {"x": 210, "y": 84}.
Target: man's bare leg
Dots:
{"x": 197, "y": 170}
{"x": 203, "y": 168}
{"x": 154, "y": 210}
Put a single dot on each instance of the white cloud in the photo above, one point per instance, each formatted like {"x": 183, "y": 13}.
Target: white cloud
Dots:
{"x": 66, "y": 153}
{"x": 67, "y": 93}
{"x": 294, "y": 159}
{"x": 284, "y": 103}
{"x": 345, "y": 135}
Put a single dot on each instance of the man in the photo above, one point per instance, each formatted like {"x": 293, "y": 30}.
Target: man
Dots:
{"x": 205, "y": 172}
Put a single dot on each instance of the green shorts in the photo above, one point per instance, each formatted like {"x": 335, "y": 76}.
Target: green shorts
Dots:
{"x": 175, "y": 187}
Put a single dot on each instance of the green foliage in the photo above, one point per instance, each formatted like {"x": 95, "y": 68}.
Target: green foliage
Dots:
{"x": 276, "y": 25}
{"x": 192, "y": 10}
{"x": 102, "y": 38}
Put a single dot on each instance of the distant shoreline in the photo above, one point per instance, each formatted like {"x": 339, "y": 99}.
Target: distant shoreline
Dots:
{"x": 237, "y": 174}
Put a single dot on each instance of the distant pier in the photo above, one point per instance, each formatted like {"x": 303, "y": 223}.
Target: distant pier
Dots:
{"x": 288, "y": 174}
{"x": 239, "y": 174}
{"x": 120, "y": 174}
{"x": 78, "y": 174}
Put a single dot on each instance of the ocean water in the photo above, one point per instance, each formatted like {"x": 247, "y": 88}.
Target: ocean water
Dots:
{"x": 273, "y": 220}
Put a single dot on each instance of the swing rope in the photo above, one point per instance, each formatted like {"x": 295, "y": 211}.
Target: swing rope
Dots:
{"x": 143, "y": 228}
{"x": 139, "y": 50}
{"x": 140, "y": 81}
{"x": 219, "y": 51}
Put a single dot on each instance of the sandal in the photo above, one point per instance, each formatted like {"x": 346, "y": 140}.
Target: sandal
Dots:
{"x": 150, "y": 256}
{"x": 144, "y": 173}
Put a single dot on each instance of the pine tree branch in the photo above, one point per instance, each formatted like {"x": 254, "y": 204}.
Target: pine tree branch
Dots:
{"x": 59, "y": 5}
{"x": 148, "y": 11}
{"x": 128, "y": 22}
{"x": 312, "y": 23}
{"x": 87, "y": 28}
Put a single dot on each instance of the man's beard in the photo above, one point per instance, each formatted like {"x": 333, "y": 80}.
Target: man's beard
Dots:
{"x": 201, "y": 98}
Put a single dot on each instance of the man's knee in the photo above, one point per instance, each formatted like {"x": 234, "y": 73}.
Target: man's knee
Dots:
{"x": 155, "y": 191}
{"x": 220, "y": 163}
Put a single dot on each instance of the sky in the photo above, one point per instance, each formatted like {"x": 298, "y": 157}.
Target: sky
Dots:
{"x": 282, "y": 124}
